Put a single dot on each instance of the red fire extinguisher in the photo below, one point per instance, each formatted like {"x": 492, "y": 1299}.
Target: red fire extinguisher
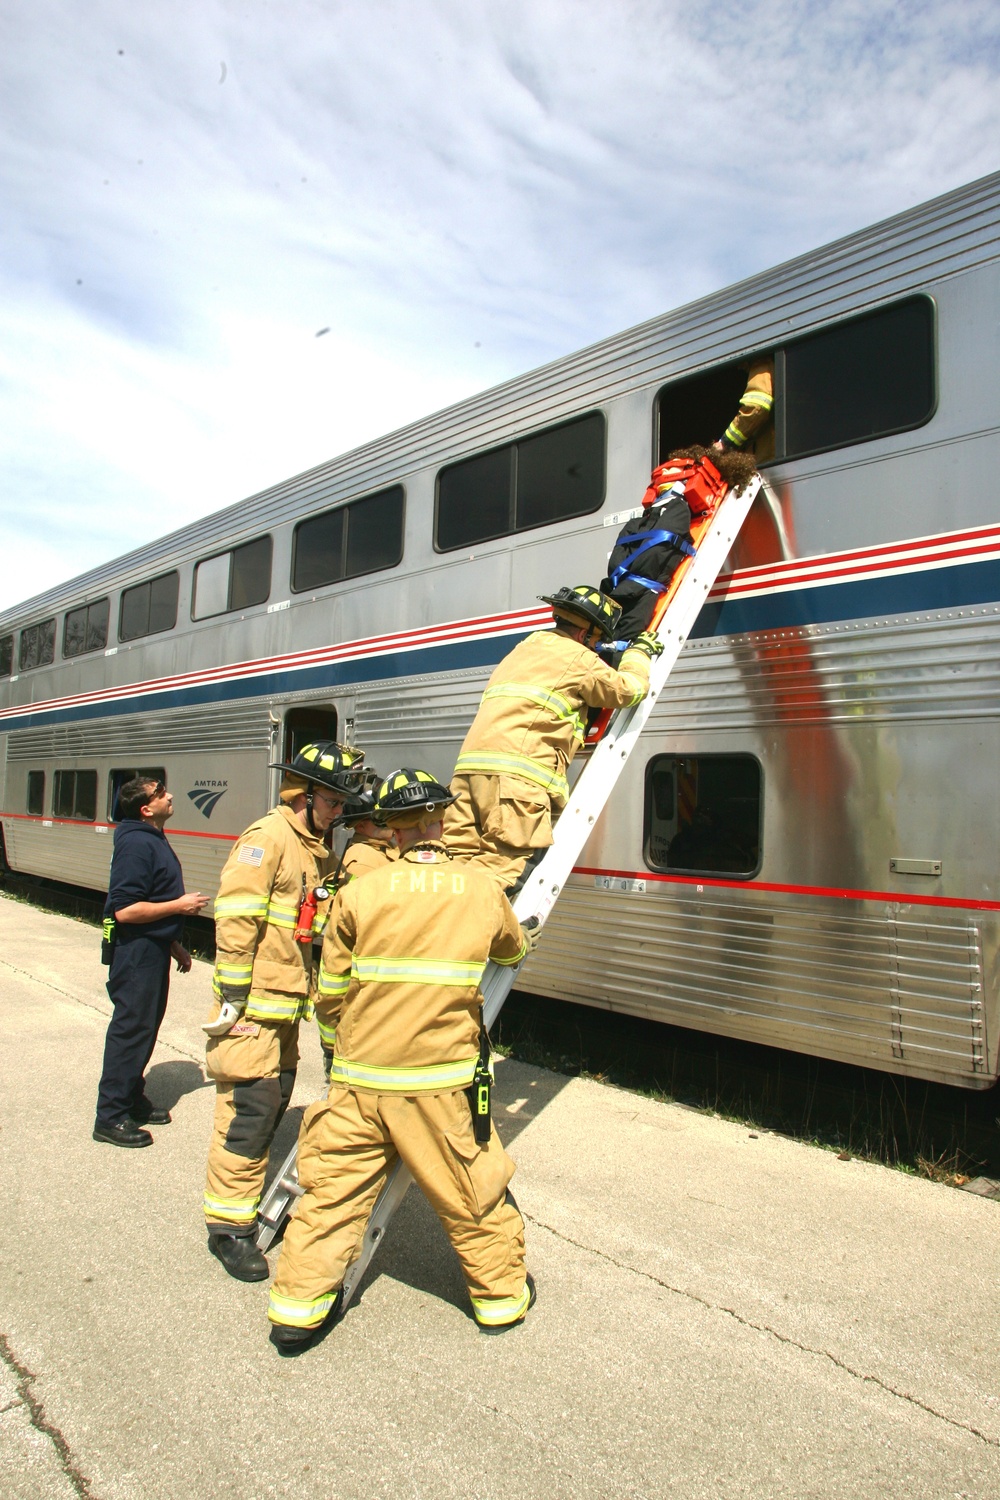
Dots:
{"x": 307, "y": 913}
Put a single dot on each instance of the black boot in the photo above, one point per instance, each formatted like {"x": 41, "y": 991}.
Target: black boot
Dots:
{"x": 122, "y": 1133}
{"x": 145, "y": 1112}
{"x": 503, "y": 1327}
{"x": 240, "y": 1256}
{"x": 288, "y": 1340}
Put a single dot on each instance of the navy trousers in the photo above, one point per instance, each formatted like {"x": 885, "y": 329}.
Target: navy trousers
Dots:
{"x": 137, "y": 983}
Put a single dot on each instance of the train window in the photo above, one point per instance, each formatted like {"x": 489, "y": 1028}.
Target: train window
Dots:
{"x": 38, "y": 645}
{"x": 304, "y": 726}
{"x": 233, "y": 580}
{"x": 362, "y": 537}
{"x": 86, "y": 628}
{"x": 703, "y": 814}
{"x": 149, "y": 607}
{"x": 546, "y": 477}
{"x": 6, "y": 655}
{"x": 36, "y": 793}
{"x": 122, "y": 774}
{"x": 75, "y": 795}
{"x": 859, "y": 380}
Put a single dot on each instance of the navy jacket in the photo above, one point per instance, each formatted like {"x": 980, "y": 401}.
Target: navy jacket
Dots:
{"x": 144, "y": 868}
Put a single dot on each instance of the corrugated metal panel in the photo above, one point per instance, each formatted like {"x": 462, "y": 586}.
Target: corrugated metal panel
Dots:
{"x": 875, "y": 989}
{"x": 244, "y": 726}
{"x": 426, "y": 710}
{"x": 943, "y": 238}
{"x": 909, "y": 668}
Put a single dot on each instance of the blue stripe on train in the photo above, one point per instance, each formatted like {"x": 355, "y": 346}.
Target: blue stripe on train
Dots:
{"x": 860, "y": 599}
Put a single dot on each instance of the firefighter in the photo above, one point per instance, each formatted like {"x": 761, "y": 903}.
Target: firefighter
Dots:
{"x": 749, "y": 431}
{"x": 511, "y": 772}
{"x": 371, "y": 847}
{"x": 271, "y": 903}
{"x": 402, "y": 958}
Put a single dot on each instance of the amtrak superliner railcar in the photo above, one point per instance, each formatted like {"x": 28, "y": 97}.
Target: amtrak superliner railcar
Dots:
{"x": 805, "y": 851}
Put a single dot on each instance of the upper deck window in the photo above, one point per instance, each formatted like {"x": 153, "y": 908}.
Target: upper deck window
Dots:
{"x": 549, "y": 476}
{"x": 6, "y": 655}
{"x": 864, "y": 378}
{"x": 148, "y": 607}
{"x": 86, "y": 628}
{"x": 361, "y": 537}
{"x": 38, "y": 645}
{"x": 232, "y": 580}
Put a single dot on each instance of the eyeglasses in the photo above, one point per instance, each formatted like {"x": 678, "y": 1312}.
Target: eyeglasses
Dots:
{"x": 158, "y": 791}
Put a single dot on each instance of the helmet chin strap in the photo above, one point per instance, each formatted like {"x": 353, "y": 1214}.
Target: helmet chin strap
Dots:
{"x": 309, "y": 811}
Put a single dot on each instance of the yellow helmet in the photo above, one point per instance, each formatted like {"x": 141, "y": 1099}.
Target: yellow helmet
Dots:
{"x": 586, "y": 605}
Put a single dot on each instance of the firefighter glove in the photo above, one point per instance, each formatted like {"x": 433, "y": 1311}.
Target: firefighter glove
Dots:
{"x": 531, "y": 932}
{"x": 648, "y": 643}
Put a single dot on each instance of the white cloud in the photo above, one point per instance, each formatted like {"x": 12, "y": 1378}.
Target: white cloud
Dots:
{"x": 459, "y": 190}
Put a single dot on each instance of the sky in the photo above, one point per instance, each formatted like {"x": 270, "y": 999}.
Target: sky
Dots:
{"x": 240, "y": 237}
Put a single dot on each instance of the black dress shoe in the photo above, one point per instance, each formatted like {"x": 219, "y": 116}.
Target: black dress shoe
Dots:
{"x": 240, "y": 1256}
{"x": 288, "y": 1340}
{"x": 122, "y": 1133}
{"x": 146, "y": 1113}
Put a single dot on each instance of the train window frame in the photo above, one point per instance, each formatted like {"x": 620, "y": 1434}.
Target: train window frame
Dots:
{"x": 46, "y": 643}
{"x": 7, "y": 655}
{"x": 85, "y": 610}
{"x": 34, "y": 797}
{"x": 708, "y": 870}
{"x": 341, "y": 515}
{"x": 148, "y": 584}
{"x": 83, "y": 791}
{"x": 516, "y": 523}
{"x": 783, "y": 452}
{"x": 231, "y": 554}
{"x": 119, "y": 775}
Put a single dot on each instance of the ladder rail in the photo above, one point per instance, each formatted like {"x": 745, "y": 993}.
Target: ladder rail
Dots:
{"x": 693, "y": 583}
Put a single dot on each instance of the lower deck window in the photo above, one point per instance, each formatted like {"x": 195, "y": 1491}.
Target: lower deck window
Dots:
{"x": 36, "y": 793}
{"x": 703, "y": 814}
{"x": 75, "y": 795}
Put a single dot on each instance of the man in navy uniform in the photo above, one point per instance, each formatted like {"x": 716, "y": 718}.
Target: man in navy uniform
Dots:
{"x": 145, "y": 909}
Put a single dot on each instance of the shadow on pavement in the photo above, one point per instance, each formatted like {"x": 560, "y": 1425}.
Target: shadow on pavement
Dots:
{"x": 169, "y": 1081}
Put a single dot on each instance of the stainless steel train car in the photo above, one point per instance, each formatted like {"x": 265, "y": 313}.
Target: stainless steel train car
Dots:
{"x": 805, "y": 852}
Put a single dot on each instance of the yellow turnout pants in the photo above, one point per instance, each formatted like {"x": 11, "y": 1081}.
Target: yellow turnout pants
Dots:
{"x": 347, "y": 1146}
{"x": 254, "y": 1070}
{"x": 499, "y": 822}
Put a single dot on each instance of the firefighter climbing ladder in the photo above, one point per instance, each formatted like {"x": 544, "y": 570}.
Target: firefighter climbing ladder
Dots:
{"x": 677, "y": 611}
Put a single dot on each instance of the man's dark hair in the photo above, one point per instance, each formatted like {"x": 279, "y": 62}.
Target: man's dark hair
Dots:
{"x": 134, "y": 795}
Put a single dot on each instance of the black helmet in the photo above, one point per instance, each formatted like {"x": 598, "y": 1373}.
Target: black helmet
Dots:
{"x": 407, "y": 791}
{"x": 325, "y": 763}
{"x": 586, "y": 604}
{"x": 360, "y": 804}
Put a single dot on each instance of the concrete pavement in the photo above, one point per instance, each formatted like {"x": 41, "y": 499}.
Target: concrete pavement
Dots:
{"x": 719, "y": 1314}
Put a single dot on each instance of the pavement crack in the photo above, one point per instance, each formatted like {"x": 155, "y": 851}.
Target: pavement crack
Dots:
{"x": 781, "y": 1338}
{"x": 36, "y": 1412}
{"x": 89, "y": 1005}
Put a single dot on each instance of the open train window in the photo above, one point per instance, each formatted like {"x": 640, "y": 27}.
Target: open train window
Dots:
{"x": 86, "y": 628}
{"x": 703, "y": 814}
{"x": 35, "y": 801}
{"x": 306, "y": 725}
{"x": 6, "y": 655}
{"x": 364, "y": 536}
{"x": 38, "y": 645}
{"x": 232, "y": 580}
{"x": 863, "y": 378}
{"x": 546, "y": 477}
{"x": 149, "y": 607}
{"x": 75, "y": 795}
{"x": 120, "y": 776}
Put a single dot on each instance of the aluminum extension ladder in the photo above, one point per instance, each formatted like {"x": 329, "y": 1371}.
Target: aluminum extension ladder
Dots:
{"x": 677, "y": 611}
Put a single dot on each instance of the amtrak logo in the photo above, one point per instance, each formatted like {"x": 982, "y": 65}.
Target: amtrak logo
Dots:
{"x": 206, "y": 795}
